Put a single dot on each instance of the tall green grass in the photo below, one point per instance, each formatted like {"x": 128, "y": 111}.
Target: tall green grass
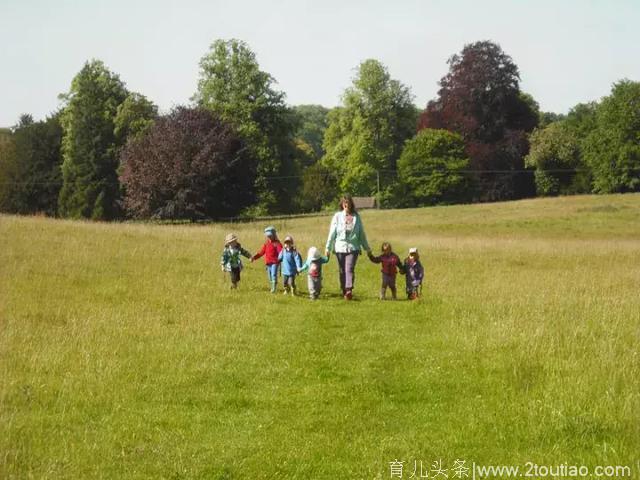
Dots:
{"x": 123, "y": 354}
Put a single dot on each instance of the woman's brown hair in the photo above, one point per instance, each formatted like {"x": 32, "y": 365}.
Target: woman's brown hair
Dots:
{"x": 349, "y": 199}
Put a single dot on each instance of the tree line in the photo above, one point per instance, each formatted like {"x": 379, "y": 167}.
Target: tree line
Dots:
{"x": 239, "y": 149}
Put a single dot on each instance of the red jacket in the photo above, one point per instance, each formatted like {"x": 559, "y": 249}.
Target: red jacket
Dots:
{"x": 270, "y": 250}
{"x": 390, "y": 263}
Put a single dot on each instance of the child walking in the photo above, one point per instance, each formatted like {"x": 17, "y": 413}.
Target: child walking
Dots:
{"x": 231, "y": 261}
{"x": 390, "y": 265}
{"x": 291, "y": 263}
{"x": 413, "y": 273}
{"x": 314, "y": 266}
{"x": 270, "y": 249}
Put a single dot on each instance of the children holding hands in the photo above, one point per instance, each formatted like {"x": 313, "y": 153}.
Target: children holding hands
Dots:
{"x": 275, "y": 254}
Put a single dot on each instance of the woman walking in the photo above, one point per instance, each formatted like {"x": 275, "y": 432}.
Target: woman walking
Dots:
{"x": 347, "y": 239}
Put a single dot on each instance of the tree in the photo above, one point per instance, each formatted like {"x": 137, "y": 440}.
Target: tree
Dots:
{"x": 133, "y": 117}
{"x": 35, "y": 181}
{"x": 612, "y": 149}
{"x": 430, "y": 168}
{"x": 480, "y": 99}
{"x": 232, "y": 85}
{"x": 367, "y": 133}
{"x": 90, "y": 183}
{"x": 312, "y": 123}
{"x": 547, "y": 118}
{"x": 319, "y": 188}
{"x": 8, "y": 171}
{"x": 191, "y": 165}
{"x": 555, "y": 154}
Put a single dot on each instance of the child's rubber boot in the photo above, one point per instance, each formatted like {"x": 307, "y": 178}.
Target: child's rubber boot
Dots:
{"x": 383, "y": 293}
{"x": 273, "y": 287}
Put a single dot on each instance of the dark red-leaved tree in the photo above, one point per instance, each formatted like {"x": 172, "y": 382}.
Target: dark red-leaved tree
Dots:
{"x": 480, "y": 99}
{"x": 189, "y": 165}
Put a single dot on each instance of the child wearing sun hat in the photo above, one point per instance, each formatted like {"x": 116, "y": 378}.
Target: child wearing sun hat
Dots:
{"x": 230, "y": 261}
{"x": 414, "y": 273}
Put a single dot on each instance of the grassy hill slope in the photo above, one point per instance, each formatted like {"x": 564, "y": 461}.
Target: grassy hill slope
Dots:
{"x": 123, "y": 354}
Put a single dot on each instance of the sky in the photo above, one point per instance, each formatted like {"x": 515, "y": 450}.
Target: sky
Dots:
{"x": 568, "y": 51}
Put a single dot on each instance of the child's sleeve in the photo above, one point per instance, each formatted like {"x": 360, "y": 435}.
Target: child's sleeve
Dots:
{"x": 259, "y": 253}
{"x": 304, "y": 268}
{"x": 298, "y": 260}
{"x": 245, "y": 252}
{"x": 324, "y": 259}
{"x": 373, "y": 258}
{"x": 280, "y": 256}
{"x": 401, "y": 266}
{"x": 224, "y": 257}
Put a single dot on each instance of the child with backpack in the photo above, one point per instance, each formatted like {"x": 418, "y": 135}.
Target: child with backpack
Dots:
{"x": 291, "y": 262}
{"x": 313, "y": 265}
{"x": 414, "y": 274}
{"x": 231, "y": 262}
{"x": 390, "y": 265}
{"x": 270, "y": 249}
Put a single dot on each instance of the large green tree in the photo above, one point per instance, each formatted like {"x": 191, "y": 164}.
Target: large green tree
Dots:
{"x": 90, "y": 182}
{"x": 555, "y": 155}
{"x": 431, "y": 169}
{"x": 312, "y": 123}
{"x": 612, "y": 149}
{"x": 33, "y": 180}
{"x": 367, "y": 132}
{"x": 134, "y": 116}
{"x": 233, "y": 86}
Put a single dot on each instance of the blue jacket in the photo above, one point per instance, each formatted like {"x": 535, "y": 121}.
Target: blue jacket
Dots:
{"x": 291, "y": 262}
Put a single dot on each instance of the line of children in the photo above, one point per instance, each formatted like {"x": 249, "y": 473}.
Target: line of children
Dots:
{"x": 275, "y": 253}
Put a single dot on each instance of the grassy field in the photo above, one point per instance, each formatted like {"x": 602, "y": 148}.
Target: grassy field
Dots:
{"x": 124, "y": 355}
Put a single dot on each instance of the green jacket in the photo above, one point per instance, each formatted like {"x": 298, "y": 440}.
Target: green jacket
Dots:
{"x": 231, "y": 257}
{"x": 342, "y": 240}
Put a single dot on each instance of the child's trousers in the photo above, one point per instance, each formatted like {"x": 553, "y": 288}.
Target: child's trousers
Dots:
{"x": 315, "y": 286}
{"x": 388, "y": 281}
{"x": 289, "y": 282}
